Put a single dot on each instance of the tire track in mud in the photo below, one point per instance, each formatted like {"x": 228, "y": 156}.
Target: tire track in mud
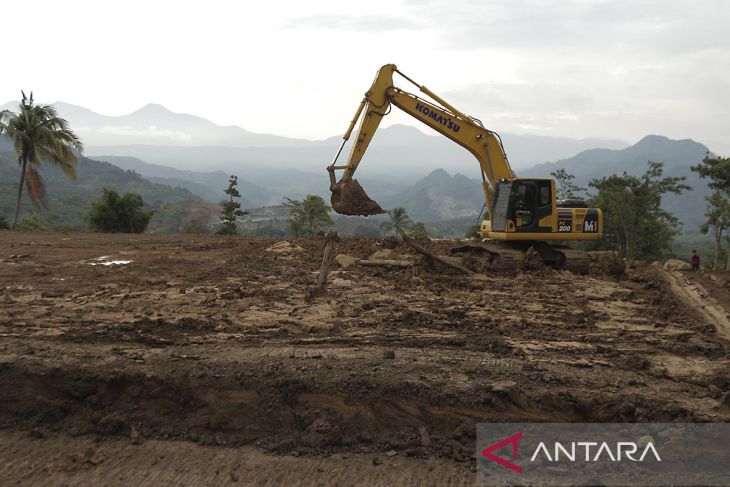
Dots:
{"x": 699, "y": 299}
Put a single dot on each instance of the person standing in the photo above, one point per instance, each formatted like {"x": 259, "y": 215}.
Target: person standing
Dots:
{"x": 694, "y": 261}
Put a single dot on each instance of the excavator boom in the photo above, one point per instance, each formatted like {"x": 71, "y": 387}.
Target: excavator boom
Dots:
{"x": 349, "y": 198}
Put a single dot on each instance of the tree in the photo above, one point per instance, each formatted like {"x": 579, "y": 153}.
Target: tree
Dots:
{"x": 632, "y": 215}
{"x": 309, "y": 216}
{"x": 39, "y": 135}
{"x": 114, "y": 214}
{"x": 418, "y": 230}
{"x": 566, "y": 189}
{"x": 718, "y": 218}
{"x": 400, "y": 223}
{"x": 231, "y": 209}
{"x": 717, "y": 169}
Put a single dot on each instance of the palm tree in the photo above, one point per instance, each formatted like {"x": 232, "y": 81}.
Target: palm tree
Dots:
{"x": 400, "y": 223}
{"x": 309, "y": 216}
{"x": 39, "y": 135}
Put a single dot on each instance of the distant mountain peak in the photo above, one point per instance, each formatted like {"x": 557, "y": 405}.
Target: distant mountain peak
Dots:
{"x": 652, "y": 138}
{"x": 652, "y": 142}
{"x": 660, "y": 142}
{"x": 152, "y": 109}
{"x": 439, "y": 173}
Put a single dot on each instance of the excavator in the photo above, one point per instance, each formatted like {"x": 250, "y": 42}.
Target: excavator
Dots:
{"x": 525, "y": 224}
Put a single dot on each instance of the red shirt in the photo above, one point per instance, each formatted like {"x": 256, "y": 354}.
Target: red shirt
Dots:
{"x": 695, "y": 260}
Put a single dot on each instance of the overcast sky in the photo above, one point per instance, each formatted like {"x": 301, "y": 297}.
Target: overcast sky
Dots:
{"x": 611, "y": 69}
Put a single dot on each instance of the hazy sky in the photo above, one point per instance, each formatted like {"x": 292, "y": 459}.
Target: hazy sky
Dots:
{"x": 612, "y": 69}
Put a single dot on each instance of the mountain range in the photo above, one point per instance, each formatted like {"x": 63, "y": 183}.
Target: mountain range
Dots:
{"x": 156, "y": 135}
{"x": 431, "y": 177}
{"x": 440, "y": 195}
{"x": 676, "y": 155}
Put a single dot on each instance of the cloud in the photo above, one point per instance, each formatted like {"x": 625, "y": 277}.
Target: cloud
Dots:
{"x": 365, "y": 23}
{"x": 585, "y": 26}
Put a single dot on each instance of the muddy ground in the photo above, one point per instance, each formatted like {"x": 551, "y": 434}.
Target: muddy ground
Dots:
{"x": 206, "y": 350}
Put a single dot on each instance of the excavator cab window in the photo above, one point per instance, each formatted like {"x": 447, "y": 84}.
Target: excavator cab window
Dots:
{"x": 545, "y": 196}
{"x": 523, "y": 202}
{"x": 527, "y": 198}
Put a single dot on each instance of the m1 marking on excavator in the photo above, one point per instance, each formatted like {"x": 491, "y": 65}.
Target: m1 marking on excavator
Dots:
{"x": 590, "y": 223}
{"x": 447, "y": 122}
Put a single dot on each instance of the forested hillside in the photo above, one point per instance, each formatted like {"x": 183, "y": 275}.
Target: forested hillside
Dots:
{"x": 69, "y": 201}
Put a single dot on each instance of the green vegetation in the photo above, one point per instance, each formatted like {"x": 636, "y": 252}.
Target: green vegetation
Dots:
{"x": 633, "y": 220}
{"x": 195, "y": 227}
{"x": 473, "y": 231}
{"x": 684, "y": 244}
{"x": 114, "y": 214}
{"x": 718, "y": 220}
{"x": 565, "y": 187}
{"x": 418, "y": 230}
{"x": 717, "y": 170}
{"x": 400, "y": 223}
{"x": 309, "y": 216}
{"x": 38, "y": 135}
{"x": 172, "y": 217}
{"x": 231, "y": 209}
{"x": 31, "y": 223}
{"x": 69, "y": 200}
{"x": 4, "y": 223}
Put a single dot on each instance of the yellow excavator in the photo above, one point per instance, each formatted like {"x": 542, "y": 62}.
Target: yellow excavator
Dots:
{"x": 522, "y": 215}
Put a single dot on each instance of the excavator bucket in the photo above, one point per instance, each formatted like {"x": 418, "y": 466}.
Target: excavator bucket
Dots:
{"x": 348, "y": 198}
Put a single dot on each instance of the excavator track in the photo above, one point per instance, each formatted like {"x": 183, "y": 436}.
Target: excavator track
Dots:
{"x": 488, "y": 257}
{"x": 565, "y": 258}
{"x": 493, "y": 256}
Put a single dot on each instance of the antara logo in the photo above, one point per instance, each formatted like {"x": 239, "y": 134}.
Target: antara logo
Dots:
{"x": 588, "y": 451}
{"x": 446, "y": 122}
{"x": 513, "y": 440}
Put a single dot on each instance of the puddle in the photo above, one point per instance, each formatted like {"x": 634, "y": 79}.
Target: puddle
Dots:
{"x": 105, "y": 260}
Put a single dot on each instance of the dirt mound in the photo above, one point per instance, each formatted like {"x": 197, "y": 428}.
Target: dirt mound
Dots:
{"x": 385, "y": 254}
{"x": 284, "y": 248}
{"x": 676, "y": 265}
{"x": 349, "y": 198}
{"x": 606, "y": 263}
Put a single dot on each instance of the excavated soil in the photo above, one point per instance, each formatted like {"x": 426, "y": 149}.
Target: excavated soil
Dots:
{"x": 349, "y": 198}
{"x": 215, "y": 346}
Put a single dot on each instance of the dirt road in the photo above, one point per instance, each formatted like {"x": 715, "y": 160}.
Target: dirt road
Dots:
{"x": 211, "y": 347}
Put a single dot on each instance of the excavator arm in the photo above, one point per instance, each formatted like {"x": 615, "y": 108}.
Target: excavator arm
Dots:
{"x": 349, "y": 198}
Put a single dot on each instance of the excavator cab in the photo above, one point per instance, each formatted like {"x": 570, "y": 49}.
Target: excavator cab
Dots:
{"x": 526, "y": 209}
{"x": 521, "y": 205}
